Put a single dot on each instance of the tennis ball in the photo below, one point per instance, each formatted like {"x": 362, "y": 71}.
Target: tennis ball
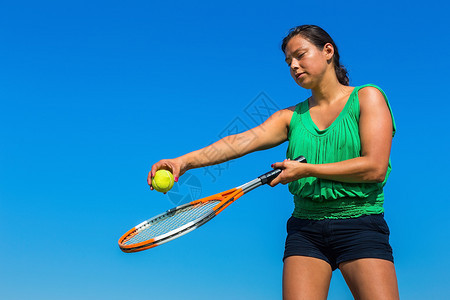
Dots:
{"x": 163, "y": 181}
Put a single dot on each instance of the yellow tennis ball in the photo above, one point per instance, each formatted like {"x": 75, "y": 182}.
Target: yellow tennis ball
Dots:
{"x": 163, "y": 181}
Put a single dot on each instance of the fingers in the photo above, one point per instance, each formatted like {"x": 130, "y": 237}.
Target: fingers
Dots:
{"x": 176, "y": 173}
{"x": 286, "y": 172}
{"x": 152, "y": 172}
{"x": 149, "y": 180}
{"x": 281, "y": 165}
{"x": 275, "y": 181}
{"x": 278, "y": 165}
{"x": 171, "y": 165}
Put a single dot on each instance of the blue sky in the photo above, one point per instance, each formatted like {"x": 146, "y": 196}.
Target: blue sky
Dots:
{"x": 94, "y": 92}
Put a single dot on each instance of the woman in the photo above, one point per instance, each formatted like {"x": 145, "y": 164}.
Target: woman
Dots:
{"x": 345, "y": 133}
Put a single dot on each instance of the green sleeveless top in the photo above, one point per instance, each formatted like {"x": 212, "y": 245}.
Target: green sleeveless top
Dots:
{"x": 317, "y": 198}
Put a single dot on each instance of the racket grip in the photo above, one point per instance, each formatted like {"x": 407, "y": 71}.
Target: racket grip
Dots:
{"x": 269, "y": 176}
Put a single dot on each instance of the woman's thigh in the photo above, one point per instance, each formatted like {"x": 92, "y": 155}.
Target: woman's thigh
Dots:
{"x": 370, "y": 278}
{"x": 305, "y": 278}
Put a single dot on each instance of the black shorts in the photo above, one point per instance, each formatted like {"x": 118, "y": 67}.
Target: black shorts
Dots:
{"x": 336, "y": 241}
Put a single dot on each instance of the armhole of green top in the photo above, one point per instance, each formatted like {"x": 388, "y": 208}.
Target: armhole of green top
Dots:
{"x": 394, "y": 127}
{"x": 295, "y": 116}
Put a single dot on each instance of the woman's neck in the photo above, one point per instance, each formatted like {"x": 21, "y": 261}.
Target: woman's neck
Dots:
{"x": 327, "y": 92}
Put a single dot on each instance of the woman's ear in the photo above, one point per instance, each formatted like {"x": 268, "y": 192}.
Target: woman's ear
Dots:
{"x": 328, "y": 51}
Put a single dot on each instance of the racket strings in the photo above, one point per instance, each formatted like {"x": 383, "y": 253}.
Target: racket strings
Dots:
{"x": 169, "y": 222}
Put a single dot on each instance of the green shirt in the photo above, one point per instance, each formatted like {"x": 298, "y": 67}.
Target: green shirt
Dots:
{"x": 317, "y": 198}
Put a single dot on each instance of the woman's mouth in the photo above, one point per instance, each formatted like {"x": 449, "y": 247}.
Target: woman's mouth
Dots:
{"x": 298, "y": 75}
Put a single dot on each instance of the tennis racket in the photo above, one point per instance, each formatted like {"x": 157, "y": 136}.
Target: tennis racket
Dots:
{"x": 184, "y": 218}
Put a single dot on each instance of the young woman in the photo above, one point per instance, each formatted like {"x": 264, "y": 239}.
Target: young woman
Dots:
{"x": 345, "y": 133}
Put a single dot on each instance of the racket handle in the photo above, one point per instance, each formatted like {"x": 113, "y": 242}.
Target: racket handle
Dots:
{"x": 269, "y": 176}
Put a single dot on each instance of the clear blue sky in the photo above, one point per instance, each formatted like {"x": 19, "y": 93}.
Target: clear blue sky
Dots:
{"x": 94, "y": 92}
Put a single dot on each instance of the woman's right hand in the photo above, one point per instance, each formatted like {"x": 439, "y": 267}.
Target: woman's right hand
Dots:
{"x": 175, "y": 165}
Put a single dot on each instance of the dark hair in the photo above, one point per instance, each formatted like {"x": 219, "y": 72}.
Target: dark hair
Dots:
{"x": 319, "y": 38}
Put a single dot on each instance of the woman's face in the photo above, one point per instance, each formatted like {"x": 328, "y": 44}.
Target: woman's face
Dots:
{"x": 307, "y": 63}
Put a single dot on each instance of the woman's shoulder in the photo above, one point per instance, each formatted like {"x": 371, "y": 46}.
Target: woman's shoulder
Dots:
{"x": 286, "y": 113}
{"x": 298, "y": 106}
{"x": 369, "y": 89}
{"x": 370, "y": 94}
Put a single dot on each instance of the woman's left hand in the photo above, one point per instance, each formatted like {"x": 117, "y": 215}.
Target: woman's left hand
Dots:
{"x": 291, "y": 170}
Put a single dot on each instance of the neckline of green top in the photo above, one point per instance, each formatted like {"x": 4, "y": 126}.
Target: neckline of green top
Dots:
{"x": 312, "y": 127}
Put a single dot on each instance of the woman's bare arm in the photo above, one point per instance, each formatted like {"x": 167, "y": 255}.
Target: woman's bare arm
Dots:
{"x": 271, "y": 133}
